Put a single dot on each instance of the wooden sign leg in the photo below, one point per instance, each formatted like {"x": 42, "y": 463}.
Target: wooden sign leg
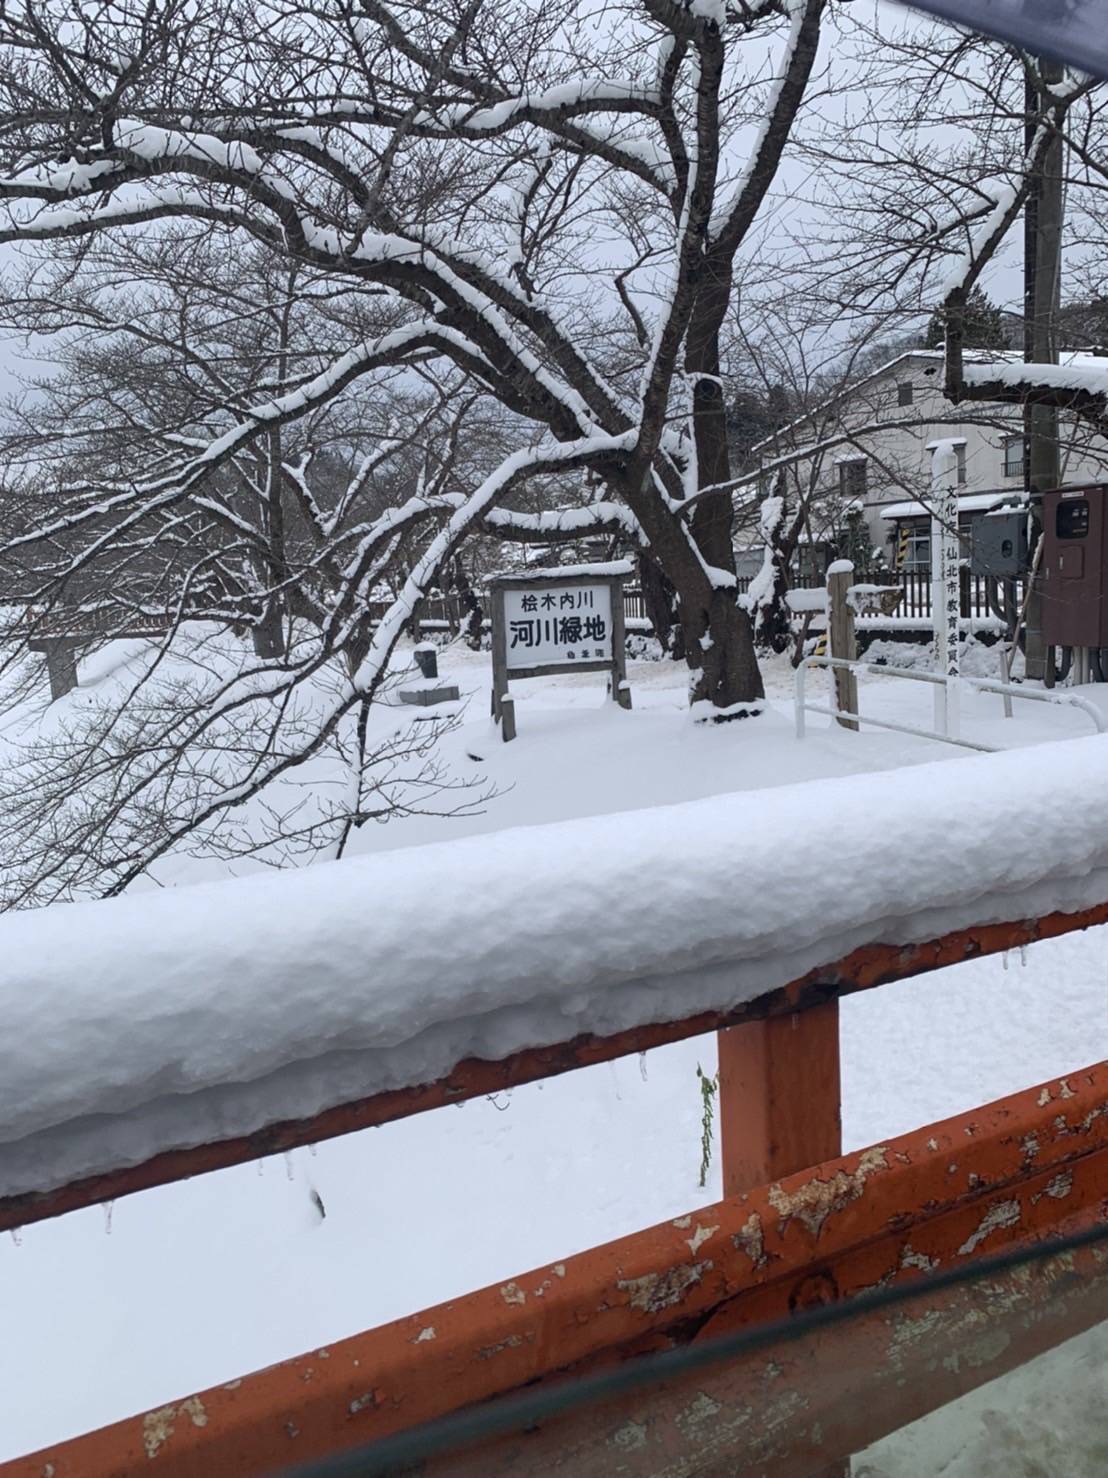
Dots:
{"x": 620, "y": 688}
{"x": 507, "y": 718}
{"x": 780, "y": 1107}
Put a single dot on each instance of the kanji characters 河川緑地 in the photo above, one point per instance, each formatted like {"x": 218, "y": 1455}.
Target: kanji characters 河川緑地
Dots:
{"x": 525, "y": 633}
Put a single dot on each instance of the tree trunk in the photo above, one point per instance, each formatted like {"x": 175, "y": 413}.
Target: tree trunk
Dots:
{"x": 660, "y": 600}
{"x": 719, "y": 646}
{"x": 268, "y": 634}
{"x": 773, "y": 619}
{"x": 467, "y": 599}
{"x": 719, "y": 635}
{"x": 716, "y": 631}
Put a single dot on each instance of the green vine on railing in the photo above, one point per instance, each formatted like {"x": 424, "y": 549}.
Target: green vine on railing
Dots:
{"x": 709, "y": 1087}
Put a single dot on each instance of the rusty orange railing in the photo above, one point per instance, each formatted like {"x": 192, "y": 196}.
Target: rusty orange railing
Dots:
{"x": 801, "y": 1224}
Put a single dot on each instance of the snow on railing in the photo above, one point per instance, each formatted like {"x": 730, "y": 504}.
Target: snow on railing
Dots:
{"x": 140, "y": 1026}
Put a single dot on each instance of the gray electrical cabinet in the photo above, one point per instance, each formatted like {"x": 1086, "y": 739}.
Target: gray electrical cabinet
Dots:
{"x": 1000, "y": 544}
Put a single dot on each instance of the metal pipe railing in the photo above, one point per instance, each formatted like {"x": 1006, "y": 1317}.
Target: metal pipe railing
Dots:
{"x": 979, "y": 684}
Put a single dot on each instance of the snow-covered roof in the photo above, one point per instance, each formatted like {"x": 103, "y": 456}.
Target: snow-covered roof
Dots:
{"x": 140, "y": 1024}
{"x": 934, "y": 356}
{"x": 1077, "y": 369}
{"x": 967, "y": 503}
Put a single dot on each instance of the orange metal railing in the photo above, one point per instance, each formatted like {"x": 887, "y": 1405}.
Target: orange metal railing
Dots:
{"x": 1009, "y": 1173}
{"x": 788, "y": 1235}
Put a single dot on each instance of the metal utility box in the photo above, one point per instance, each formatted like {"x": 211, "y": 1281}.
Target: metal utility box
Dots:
{"x": 1075, "y": 567}
{"x": 1000, "y": 544}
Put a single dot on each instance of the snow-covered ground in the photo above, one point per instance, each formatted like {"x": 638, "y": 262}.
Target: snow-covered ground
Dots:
{"x": 114, "y": 1310}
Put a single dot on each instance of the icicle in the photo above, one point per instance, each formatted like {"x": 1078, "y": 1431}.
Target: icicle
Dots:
{"x": 1023, "y": 954}
{"x": 615, "y": 1081}
{"x": 312, "y": 1148}
{"x": 1004, "y": 959}
{"x": 108, "y": 1207}
{"x": 288, "y": 1165}
{"x": 642, "y": 1066}
{"x": 317, "y": 1202}
{"x": 16, "y": 1236}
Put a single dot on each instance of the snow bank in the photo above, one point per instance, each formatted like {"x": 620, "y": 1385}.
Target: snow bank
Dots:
{"x": 160, "y": 1020}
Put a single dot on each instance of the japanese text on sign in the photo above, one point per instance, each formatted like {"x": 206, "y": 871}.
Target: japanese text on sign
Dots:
{"x": 558, "y": 625}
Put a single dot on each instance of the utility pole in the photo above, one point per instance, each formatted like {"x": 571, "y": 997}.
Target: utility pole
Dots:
{"x": 1042, "y": 274}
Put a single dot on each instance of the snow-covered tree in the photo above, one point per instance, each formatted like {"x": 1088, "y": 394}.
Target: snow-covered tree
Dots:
{"x": 933, "y": 188}
{"x": 548, "y": 207}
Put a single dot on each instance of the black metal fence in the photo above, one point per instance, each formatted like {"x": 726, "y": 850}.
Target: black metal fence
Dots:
{"x": 444, "y": 612}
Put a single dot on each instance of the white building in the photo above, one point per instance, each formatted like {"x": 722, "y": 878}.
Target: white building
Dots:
{"x": 869, "y": 454}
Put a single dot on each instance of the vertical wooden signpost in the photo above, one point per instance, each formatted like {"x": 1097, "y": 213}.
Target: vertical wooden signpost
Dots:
{"x": 558, "y": 620}
{"x": 840, "y": 629}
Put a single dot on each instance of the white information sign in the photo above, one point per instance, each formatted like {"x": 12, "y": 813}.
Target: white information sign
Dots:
{"x": 557, "y": 625}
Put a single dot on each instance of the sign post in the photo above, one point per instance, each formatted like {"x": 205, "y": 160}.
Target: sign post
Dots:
{"x": 557, "y": 620}
{"x": 946, "y": 599}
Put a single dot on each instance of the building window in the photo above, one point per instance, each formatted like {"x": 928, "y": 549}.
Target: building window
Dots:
{"x": 914, "y": 546}
{"x": 852, "y": 478}
{"x": 961, "y": 452}
{"x": 1015, "y": 457}
{"x": 904, "y": 393}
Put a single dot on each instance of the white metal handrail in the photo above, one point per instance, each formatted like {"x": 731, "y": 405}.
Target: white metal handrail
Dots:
{"x": 980, "y": 684}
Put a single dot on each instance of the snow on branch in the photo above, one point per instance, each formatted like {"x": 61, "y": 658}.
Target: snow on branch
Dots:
{"x": 734, "y": 215}
{"x": 566, "y": 99}
{"x": 984, "y": 239}
{"x": 145, "y": 498}
{"x": 520, "y": 465}
{"x": 565, "y": 523}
